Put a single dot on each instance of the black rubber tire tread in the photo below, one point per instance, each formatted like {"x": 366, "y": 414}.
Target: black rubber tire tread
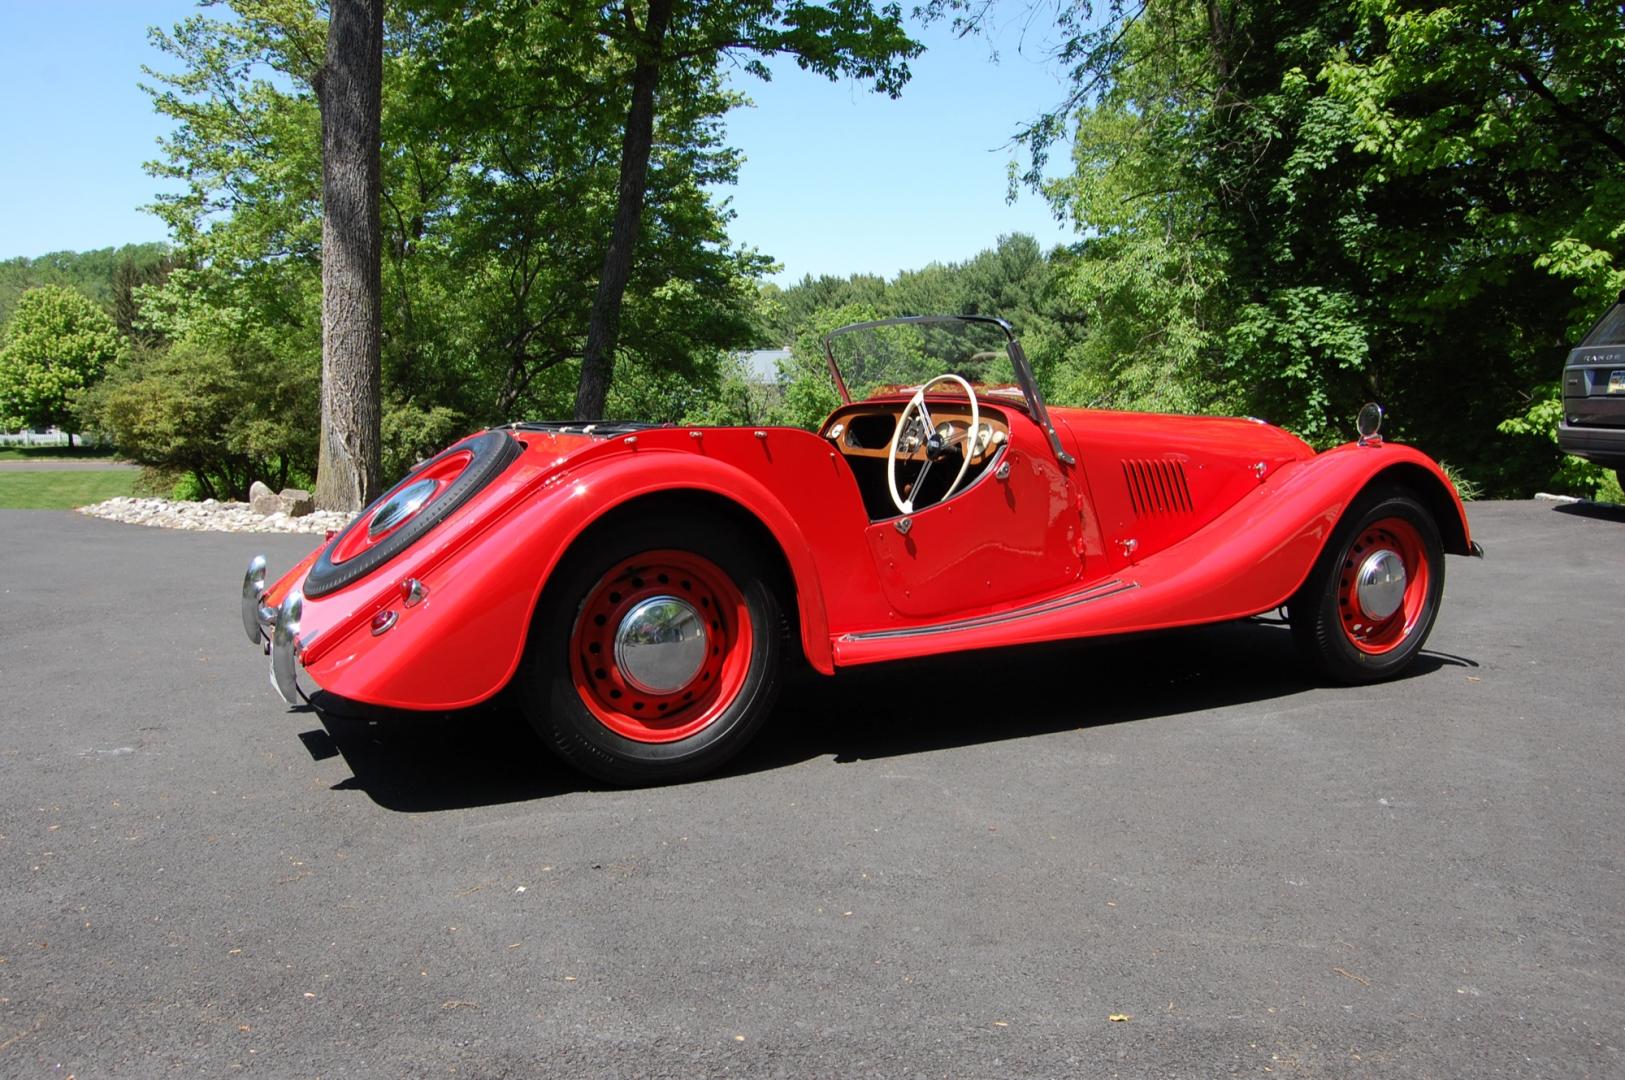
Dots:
{"x": 1313, "y": 610}
{"x": 548, "y": 695}
{"x": 493, "y": 452}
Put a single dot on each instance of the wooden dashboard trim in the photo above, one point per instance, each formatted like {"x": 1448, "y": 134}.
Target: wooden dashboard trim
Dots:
{"x": 941, "y": 410}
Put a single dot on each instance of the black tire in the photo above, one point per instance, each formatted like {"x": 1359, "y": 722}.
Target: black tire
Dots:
{"x": 492, "y": 452}
{"x": 1331, "y": 630}
{"x": 575, "y": 692}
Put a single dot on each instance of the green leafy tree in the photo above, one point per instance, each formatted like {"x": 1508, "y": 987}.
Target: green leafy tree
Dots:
{"x": 130, "y": 275}
{"x": 791, "y": 310}
{"x": 1148, "y": 274}
{"x": 677, "y": 45}
{"x": 809, "y": 391}
{"x": 94, "y": 273}
{"x": 1290, "y": 209}
{"x": 740, "y": 397}
{"x": 56, "y": 344}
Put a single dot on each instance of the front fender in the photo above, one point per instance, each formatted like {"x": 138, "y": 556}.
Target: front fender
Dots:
{"x": 464, "y": 642}
{"x": 1256, "y": 555}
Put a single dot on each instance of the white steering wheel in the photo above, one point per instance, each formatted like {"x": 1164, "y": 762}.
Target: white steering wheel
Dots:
{"x": 916, "y": 429}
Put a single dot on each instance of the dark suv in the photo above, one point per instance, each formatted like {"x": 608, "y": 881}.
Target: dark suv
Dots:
{"x": 1593, "y": 421}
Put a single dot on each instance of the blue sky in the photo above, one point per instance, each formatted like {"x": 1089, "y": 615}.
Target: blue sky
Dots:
{"x": 836, "y": 179}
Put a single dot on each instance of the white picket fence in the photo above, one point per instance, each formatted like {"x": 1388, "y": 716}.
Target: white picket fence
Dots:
{"x": 49, "y": 437}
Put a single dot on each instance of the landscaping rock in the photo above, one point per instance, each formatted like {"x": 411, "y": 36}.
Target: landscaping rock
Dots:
{"x": 297, "y": 502}
{"x": 266, "y": 504}
{"x": 256, "y": 489}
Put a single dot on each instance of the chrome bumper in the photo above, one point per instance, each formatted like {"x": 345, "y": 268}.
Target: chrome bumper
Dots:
{"x": 276, "y": 629}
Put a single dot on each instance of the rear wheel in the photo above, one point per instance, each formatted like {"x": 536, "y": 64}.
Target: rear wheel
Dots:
{"x": 1369, "y": 602}
{"x": 656, "y": 652}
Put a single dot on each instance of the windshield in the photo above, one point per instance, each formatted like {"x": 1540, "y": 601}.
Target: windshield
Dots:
{"x": 905, "y": 352}
{"x": 873, "y": 356}
{"x": 1610, "y": 329}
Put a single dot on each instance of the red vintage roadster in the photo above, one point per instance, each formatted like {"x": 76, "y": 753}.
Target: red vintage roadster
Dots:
{"x": 646, "y": 586}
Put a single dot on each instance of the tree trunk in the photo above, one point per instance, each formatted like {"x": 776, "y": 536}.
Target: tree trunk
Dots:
{"x": 604, "y": 322}
{"x": 349, "y": 88}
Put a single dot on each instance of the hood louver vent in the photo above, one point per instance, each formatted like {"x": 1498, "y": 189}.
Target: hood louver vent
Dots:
{"x": 1157, "y": 487}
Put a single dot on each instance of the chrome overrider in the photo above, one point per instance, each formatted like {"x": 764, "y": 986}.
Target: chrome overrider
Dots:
{"x": 257, "y": 618}
{"x": 277, "y": 629}
{"x": 286, "y": 647}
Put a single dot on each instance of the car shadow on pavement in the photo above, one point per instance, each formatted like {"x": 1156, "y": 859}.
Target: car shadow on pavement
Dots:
{"x": 417, "y": 762}
{"x": 1593, "y": 510}
{"x": 943, "y": 702}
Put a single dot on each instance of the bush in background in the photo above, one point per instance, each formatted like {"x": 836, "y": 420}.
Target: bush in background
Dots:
{"x": 224, "y": 415}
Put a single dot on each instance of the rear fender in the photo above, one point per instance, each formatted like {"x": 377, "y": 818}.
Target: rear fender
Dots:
{"x": 464, "y": 643}
{"x": 619, "y": 482}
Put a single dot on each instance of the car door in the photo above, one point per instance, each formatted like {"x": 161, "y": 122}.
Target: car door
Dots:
{"x": 1012, "y": 534}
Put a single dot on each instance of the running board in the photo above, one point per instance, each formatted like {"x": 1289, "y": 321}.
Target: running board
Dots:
{"x": 1100, "y": 590}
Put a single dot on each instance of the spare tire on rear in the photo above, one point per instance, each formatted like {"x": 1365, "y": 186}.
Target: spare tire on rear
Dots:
{"x": 489, "y": 453}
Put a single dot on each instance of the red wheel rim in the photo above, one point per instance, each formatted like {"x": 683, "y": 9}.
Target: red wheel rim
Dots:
{"x": 613, "y": 698}
{"x": 443, "y": 472}
{"x": 1377, "y": 635}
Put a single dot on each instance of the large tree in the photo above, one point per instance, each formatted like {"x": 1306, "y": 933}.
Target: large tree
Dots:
{"x": 681, "y": 42}
{"x": 349, "y": 86}
{"x": 55, "y": 345}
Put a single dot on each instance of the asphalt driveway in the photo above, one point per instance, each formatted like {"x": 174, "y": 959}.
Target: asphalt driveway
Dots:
{"x": 960, "y": 869}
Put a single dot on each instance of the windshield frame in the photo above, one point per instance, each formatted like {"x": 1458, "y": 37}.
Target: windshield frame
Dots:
{"x": 1025, "y": 379}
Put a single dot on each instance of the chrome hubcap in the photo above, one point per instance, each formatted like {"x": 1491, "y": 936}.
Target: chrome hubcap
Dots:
{"x": 660, "y": 645}
{"x": 401, "y": 505}
{"x": 1380, "y": 584}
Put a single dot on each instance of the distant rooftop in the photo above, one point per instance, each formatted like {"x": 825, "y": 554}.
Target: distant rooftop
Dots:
{"x": 764, "y": 363}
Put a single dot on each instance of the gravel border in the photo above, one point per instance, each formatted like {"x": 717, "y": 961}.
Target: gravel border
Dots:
{"x": 210, "y": 515}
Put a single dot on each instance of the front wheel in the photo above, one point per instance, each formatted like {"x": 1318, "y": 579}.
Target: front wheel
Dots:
{"x": 1369, "y": 602}
{"x": 656, "y": 652}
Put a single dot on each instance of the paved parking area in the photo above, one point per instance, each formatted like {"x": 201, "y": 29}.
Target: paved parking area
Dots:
{"x": 959, "y": 869}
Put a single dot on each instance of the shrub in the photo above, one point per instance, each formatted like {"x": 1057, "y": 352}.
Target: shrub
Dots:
{"x": 410, "y": 433}
{"x": 226, "y": 415}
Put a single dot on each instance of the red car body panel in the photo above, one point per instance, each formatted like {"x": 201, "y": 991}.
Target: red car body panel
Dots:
{"x": 1163, "y": 521}
{"x": 1251, "y": 558}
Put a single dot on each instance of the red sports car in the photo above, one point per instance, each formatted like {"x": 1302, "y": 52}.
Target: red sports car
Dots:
{"x": 646, "y": 586}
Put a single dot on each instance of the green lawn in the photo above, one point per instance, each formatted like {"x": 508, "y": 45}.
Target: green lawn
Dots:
{"x": 61, "y": 490}
{"x": 35, "y": 453}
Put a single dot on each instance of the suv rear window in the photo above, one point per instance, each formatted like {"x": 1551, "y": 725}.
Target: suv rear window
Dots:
{"x": 1610, "y": 329}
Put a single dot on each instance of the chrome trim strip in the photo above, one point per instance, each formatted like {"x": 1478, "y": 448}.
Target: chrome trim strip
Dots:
{"x": 1098, "y": 591}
